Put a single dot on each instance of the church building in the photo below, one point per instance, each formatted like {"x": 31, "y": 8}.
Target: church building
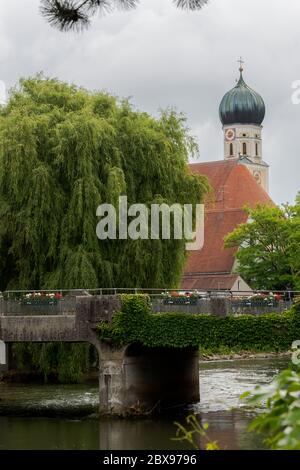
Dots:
{"x": 240, "y": 179}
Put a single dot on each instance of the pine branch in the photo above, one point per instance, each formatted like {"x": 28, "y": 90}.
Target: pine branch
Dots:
{"x": 190, "y": 4}
{"x": 65, "y": 14}
{"x": 126, "y": 4}
{"x": 68, "y": 15}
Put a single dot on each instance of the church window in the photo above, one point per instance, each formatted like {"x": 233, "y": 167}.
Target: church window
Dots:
{"x": 256, "y": 150}
{"x": 231, "y": 150}
{"x": 244, "y": 148}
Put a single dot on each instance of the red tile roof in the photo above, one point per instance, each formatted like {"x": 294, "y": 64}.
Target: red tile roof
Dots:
{"x": 233, "y": 188}
{"x": 214, "y": 258}
{"x": 233, "y": 185}
{"x": 209, "y": 282}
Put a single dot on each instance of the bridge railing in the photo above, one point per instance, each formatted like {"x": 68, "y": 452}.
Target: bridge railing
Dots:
{"x": 30, "y": 303}
{"x": 234, "y": 302}
{"x": 54, "y": 302}
{"x": 63, "y": 302}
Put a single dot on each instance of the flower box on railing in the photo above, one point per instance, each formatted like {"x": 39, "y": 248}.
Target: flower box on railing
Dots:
{"x": 258, "y": 301}
{"x": 180, "y": 301}
{"x": 176, "y": 298}
{"x": 41, "y": 299}
{"x": 34, "y": 304}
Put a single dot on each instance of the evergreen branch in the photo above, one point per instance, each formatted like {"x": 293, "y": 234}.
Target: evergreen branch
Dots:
{"x": 190, "y": 4}
{"x": 126, "y": 4}
{"x": 74, "y": 14}
{"x": 65, "y": 14}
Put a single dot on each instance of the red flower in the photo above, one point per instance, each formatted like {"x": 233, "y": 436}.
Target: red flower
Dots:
{"x": 175, "y": 294}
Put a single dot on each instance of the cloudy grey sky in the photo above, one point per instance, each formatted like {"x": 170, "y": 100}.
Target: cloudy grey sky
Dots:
{"x": 164, "y": 57}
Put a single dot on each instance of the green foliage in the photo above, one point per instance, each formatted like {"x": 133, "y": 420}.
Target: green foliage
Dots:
{"x": 193, "y": 433}
{"x": 66, "y": 362}
{"x": 229, "y": 352}
{"x": 136, "y": 323}
{"x": 268, "y": 255}
{"x": 63, "y": 151}
{"x": 294, "y": 242}
{"x": 281, "y": 422}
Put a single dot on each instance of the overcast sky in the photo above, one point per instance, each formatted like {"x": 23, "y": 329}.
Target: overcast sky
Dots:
{"x": 161, "y": 57}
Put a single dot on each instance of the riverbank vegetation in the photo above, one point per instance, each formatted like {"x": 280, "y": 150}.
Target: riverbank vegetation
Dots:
{"x": 235, "y": 353}
{"x": 280, "y": 423}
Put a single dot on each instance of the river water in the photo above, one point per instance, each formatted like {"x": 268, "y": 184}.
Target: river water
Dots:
{"x": 64, "y": 417}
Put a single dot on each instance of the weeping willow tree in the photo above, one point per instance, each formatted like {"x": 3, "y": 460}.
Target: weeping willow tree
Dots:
{"x": 65, "y": 363}
{"x": 64, "y": 151}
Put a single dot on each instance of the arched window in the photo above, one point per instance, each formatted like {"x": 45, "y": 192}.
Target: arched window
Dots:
{"x": 231, "y": 150}
{"x": 256, "y": 149}
{"x": 244, "y": 148}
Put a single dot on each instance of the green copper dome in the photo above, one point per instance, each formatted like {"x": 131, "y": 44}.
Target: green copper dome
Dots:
{"x": 242, "y": 105}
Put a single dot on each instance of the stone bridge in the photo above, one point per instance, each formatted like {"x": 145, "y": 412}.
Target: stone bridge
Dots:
{"x": 132, "y": 379}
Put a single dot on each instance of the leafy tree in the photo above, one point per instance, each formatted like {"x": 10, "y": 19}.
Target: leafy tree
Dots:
{"x": 294, "y": 241}
{"x": 63, "y": 151}
{"x": 281, "y": 421}
{"x": 268, "y": 255}
{"x": 76, "y": 14}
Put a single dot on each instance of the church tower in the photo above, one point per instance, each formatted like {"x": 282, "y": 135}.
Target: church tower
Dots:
{"x": 242, "y": 112}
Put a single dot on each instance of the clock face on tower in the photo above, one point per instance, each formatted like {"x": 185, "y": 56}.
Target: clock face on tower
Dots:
{"x": 257, "y": 176}
{"x": 230, "y": 135}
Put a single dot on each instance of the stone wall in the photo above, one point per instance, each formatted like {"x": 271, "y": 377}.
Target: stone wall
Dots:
{"x": 50, "y": 328}
{"x": 38, "y": 329}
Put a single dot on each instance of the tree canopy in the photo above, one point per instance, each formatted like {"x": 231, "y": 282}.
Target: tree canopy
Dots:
{"x": 64, "y": 151}
{"x": 269, "y": 247}
{"x": 77, "y": 14}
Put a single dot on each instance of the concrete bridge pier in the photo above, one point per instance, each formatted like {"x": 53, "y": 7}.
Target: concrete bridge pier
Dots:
{"x": 111, "y": 380}
{"x": 3, "y": 356}
{"x": 138, "y": 380}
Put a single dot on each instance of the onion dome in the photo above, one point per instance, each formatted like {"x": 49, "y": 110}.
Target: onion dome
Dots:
{"x": 242, "y": 105}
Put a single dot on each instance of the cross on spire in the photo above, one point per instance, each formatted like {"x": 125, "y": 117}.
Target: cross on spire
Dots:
{"x": 241, "y": 62}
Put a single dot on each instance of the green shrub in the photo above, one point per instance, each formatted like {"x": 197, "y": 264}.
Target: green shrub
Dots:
{"x": 281, "y": 422}
{"x": 136, "y": 323}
